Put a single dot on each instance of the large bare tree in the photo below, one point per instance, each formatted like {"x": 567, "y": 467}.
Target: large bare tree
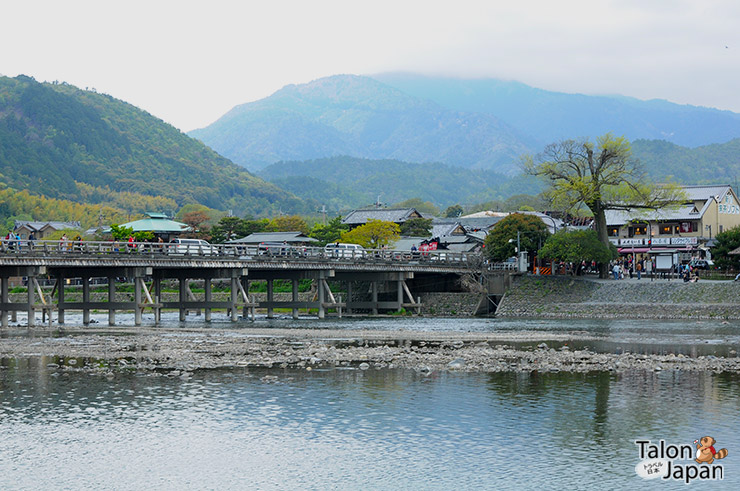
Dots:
{"x": 601, "y": 175}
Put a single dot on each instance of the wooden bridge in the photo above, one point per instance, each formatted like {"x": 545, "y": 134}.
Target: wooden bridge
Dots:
{"x": 374, "y": 280}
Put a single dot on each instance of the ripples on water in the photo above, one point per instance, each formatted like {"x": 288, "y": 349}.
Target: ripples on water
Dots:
{"x": 350, "y": 429}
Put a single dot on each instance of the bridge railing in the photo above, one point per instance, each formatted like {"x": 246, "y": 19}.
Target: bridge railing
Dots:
{"x": 67, "y": 248}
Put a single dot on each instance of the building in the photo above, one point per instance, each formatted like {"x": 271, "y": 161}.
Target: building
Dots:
{"x": 42, "y": 230}
{"x": 289, "y": 238}
{"x": 159, "y": 224}
{"x": 688, "y": 227}
{"x": 396, "y": 215}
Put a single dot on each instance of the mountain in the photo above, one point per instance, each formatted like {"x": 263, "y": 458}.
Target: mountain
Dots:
{"x": 343, "y": 183}
{"x": 552, "y": 116}
{"x": 359, "y": 116}
{"x": 708, "y": 164}
{"x": 62, "y": 142}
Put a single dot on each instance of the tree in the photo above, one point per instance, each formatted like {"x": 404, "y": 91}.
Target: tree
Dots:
{"x": 419, "y": 205}
{"x": 453, "y": 211}
{"x": 292, "y": 223}
{"x": 197, "y": 221}
{"x": 727, "y": 241}
{"x": 501, "y": 241}
{"x": 417, "y": 227}
{"x": 373, "y": 235}
{"x": 331, "y": 232}
{"x": 603, "y": 176}
{"x": 577, "y": 246}
{"x": 119, "y": 232}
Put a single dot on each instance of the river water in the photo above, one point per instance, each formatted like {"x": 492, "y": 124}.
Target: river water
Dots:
{"x": 370, "y": 429}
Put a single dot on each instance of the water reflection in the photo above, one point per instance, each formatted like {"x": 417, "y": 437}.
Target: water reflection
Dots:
{"x": 353, "y": 429}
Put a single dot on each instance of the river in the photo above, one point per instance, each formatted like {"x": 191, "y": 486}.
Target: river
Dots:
{"x": 346, "y": 428}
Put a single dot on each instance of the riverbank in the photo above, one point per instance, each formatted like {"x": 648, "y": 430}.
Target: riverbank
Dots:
{"x": 180, "y": 351}
{"x": 568, "y": 297}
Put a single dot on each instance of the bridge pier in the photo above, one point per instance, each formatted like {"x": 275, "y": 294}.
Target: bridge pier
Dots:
{"x": 111, "y": 299}
{"x": 270, "y": 299}
{"x": 209, "y": 296}
{"x": 295, "y": 297}
{"x": 4, "y": 299}
{"x": 60, "y": 301}
{"x": 85, "y": 300}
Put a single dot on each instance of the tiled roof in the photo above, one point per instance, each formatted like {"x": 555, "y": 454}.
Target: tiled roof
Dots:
{"x": 696, "y": 193}
{"x": 395, "y": 215}
{"x": 685, "y": 212}
{"x": 287, "y": 237}
{"x": 39, "y": 225}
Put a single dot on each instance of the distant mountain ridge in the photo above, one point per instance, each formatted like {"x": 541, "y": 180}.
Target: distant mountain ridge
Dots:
{"x": 62, "y": 142}
{"x": 358, "y": 116}
{"x": 551, "y": 116}
{"x": 478, "y": 124}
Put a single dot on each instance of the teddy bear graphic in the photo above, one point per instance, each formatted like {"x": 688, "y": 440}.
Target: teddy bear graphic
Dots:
{"x": 705, "y": 452}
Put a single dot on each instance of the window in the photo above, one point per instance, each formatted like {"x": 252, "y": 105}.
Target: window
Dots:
{"x": 720, "y": 228}
{"x": 613, "y": 231}
{"x": 666, "y": 228}
{"x": 638, "y": 231}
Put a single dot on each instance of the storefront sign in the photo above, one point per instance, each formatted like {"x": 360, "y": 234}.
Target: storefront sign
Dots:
{"x": 614, "y": 241}
{"x": 684, "y": 241}
{"x": 631, "y": 242}
{"x": 661, "y": 241}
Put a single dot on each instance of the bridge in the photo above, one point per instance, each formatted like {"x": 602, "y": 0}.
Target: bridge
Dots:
{"x": 373, "y": 281}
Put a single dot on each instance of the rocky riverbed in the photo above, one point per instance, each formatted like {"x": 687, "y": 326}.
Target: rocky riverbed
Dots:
{"x": 178, "y": 352}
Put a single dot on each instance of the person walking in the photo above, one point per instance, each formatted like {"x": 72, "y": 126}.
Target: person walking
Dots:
{"x": 638, "y": 268}
{"x": 615, "y": 271}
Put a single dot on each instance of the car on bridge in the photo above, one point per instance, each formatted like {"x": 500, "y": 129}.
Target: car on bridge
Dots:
{"x": 193, "y": 247}
{"x": 340, "y": 250}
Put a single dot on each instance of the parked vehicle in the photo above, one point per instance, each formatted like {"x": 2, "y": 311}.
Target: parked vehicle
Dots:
{"x": 344, "y": 250}
{"x": 196, "y": 247}
{"x": 702, "y": 264}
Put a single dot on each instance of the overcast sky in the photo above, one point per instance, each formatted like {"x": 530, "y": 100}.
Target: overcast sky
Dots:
{"x": 188, "y": 62}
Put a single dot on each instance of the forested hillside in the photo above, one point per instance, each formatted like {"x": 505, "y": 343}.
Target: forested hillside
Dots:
{"x": 719, "y": 163}
{"x": 341, "y": 183}
{"x": 62, "y": 142}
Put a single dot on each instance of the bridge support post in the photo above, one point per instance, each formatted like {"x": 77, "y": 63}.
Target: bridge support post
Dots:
{"x": 295, "y": 297}
{"x": 60, "y": 288}
{"x": 234, "y": 293}
{"x": 399, "y": 292}
{"x": 85, "y": 300}
{"x": 31, "y": 301}
{"x": 157, "y": 300}
{"x": 111, "y": 299}
{"x": 269, "y": 298}
{"x": 374, "y": 286}
{"x": 138, "y": 280}
{"x": 4, "y": 299}
{"x": 209, "y": 295}
{"x": 321, "y": 295}
{"x": 349, "y": 298}
{"x": 183, "y": 296}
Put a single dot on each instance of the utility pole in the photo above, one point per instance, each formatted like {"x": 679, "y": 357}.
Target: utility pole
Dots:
{"x": 323, "y": 213}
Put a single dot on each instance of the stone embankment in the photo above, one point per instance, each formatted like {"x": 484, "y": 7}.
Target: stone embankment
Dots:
{"x": 563, "y": 297}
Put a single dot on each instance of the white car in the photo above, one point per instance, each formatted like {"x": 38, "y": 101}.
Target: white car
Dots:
{"x": 344, "y": 250}
{"x": 192, "y": 247}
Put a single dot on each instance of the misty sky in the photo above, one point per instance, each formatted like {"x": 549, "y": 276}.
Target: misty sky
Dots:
{"x": 188, "y": 62}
